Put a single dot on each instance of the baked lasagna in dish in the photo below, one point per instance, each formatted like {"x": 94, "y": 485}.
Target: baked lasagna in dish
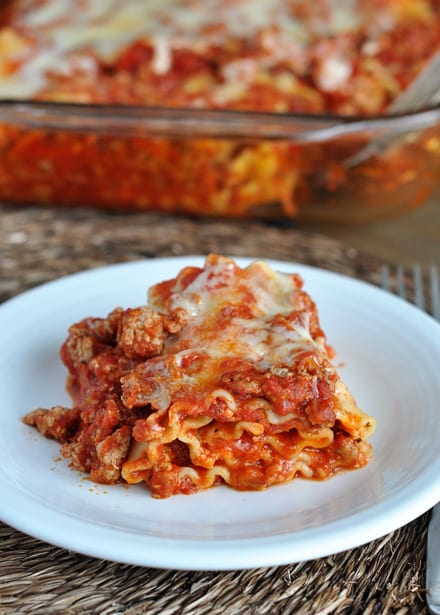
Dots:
{"x": 329, "y": 56}
{"x": 342, "y": 57}
{"x": 223, "y": 377}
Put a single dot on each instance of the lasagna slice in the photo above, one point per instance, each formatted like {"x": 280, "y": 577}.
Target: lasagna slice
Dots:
{"x": 223, "y": 377}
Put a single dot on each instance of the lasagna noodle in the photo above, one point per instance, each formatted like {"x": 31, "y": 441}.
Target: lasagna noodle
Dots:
{"x": 224, "y": 377}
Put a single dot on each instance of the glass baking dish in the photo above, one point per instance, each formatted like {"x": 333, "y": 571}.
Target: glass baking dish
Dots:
{"x": 205, "y": 107}
{"x": 222, "y": 163}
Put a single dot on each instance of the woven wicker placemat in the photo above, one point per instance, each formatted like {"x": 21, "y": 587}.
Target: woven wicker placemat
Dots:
{"x": 385, "y": 576}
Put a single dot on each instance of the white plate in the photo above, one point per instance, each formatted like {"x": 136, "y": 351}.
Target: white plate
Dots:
{"x": 390, "y": 353}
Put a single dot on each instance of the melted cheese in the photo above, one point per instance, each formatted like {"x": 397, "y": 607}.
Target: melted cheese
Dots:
{"x": 229, "y": 315}
{"x": 60, "y": 29}
{"x": 334, "y": 73}
{"x": 256, "y": 339}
